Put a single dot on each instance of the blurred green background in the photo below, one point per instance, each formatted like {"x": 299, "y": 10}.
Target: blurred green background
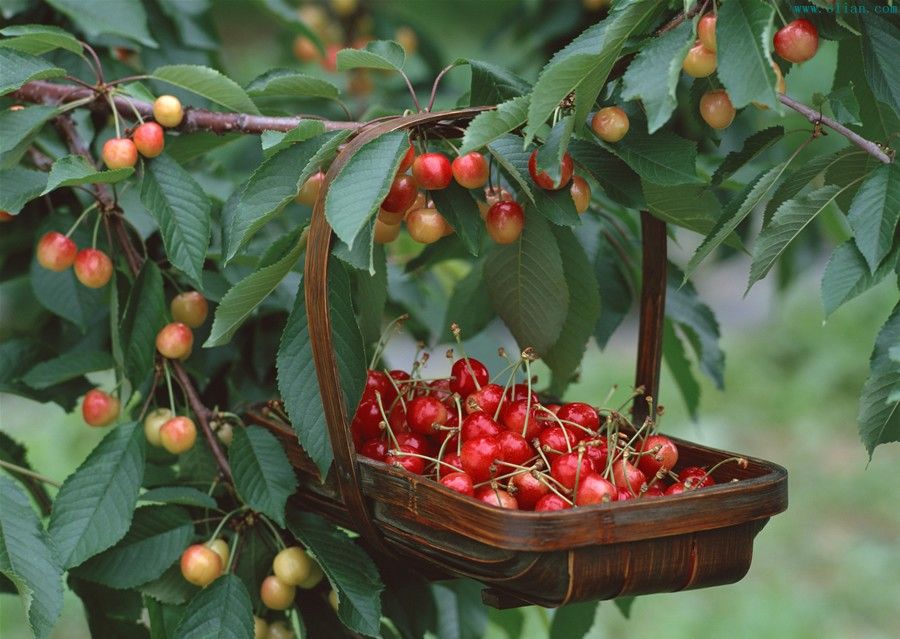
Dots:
{"x": 827, "y": 568}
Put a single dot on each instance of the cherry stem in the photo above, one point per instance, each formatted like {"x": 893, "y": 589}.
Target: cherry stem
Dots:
{"x": 499, "y": 477}
{"x": 275, "y": 534}
{"x": 434, "y": 86}
{"x": 385, "y": 338}
{"x": 222, "y": 523}
{"x": 29, "y": 473}
{"x": 96, "y": 229}
{"x": 454, "y": 328}
{"x": 169, "y": 387}
{"x": 741, "y": 461}
{"x": 403, "y": 453}
{"x": 128, "y": 101}
{"x": 541, "y": 477}
{"x": 98, "y": 68}
{"x": 412, "y": 92}
{"x": 235, "y": 553}
{"x": 459, "y": 419}
{"x": 115, "y": 113}
{"x": 577, "y": 475}
{"x": 80, "y": 218}
{"x": 386, "y": 422}
{"x": 778, "y": 11}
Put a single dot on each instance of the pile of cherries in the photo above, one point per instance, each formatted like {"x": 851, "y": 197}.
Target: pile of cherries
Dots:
{"x": 505, "y": 447}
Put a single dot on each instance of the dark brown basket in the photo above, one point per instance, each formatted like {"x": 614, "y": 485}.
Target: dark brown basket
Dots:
{"x": 697, "y": 539}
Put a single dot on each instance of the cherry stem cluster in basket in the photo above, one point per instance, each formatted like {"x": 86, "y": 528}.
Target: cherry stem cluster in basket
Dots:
{"x": 497, "y": 441}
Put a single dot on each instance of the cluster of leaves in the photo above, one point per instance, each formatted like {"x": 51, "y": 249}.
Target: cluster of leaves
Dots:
{"x": 217, "y": 213}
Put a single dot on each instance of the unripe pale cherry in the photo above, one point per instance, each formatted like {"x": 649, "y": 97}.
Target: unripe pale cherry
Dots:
{"x": 167, "y": 110}
{"x": 119, "y": 153}
{"x": 581, "y": 193}
{"x": 275, "y": 594}
{"x": 153, "y": 422}
{"x": 610, "y": 124}
{"x": 470, "y": 170}
{"x": 425, "y": 225}
{"x": 260, "y": 628}
{"x": 333, "y": 600}
{"x": 220, "y": 547}
{"x": 305, "y": 49}
{"x": 200, "y": 565}
{"x": 716, "y": 109}
{"x": 293, "y": 566}
{"x": 385, "y": 233}
{"x": 280, "y": 630}
{"x": 55, "y": 251}
{"x": 6, "y": 216}
{"x": 175, "y": 341}
{"x": 99, "y": 409}
{"x": 178, "y": 435}
{"x": 314, "y": 578}
{"x": 706, "y": 31}
{"x": 407, "y": 38}
{"x": 432, "y": 171}
{"x": 797, "y": 41}
{"x": 391, "y": 217}
{"x": 505, "y": 221}
{"x": 189, "y": 308}
{"x": 93, "y": 268}
{"x": 401, "y": 195}
{"x": 149, "y": 139}
{"x": 543, "y": 180}
{"x": 699, "y": 62}
{"x": 310, "y": 189}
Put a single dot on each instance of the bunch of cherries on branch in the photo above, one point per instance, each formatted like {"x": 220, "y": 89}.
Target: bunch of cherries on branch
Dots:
{"x": 495, "y": 440}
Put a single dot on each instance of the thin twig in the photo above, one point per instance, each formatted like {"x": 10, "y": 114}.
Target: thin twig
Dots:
{"x": 437, "y": 81}
{"x": 29, "y": 473}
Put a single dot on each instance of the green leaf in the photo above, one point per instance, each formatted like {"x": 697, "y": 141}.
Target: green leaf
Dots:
{"x": 18, "y": 186}
{"x": 789, "y": 221}
{"x": 171, "y": 587}
{"x": 69, "y": 366}
{"x": 364, "y": 181}
{"x": 692, "y": 207}
{"x": 676, "y": 359}
{"x": 491, "y": 125}
{"x": 469, "y": 305}
{"x": 184, "y": 148}
{"x": 380, "y": 54}
{"x": 94, "y": 506}
{"x": 754, "y": 145}
{"x": 879, "y": 417}
{"x": 565, "y": 355}
{"x": 880, "y": 42}
{"x": 550, "y": 153}
{"x": 662, "y": 158}
{"x": 14, "y": 453}
{"x": 528, "y": 286}
{"x": 361, "y": 255}
{"x": 290, "y": 17}
{"x": 182, "y": 211}
{"x": 874, "y": 213}
{"x": 512, "y": 157}
{"x": 297, "y": 380}
{"x": 144, "y": 314}
{"x": 492, "y": 84}
{"x": 370, "y": 296}
{"x": 263, "y": 475}
{"x": 274, "y": 141}
{"x": 208, "y": 83}
{"x": 18, "y": 128}
{"x": 17, "y": 68}
{"x": 624, "y": 604}
{"x": 180, "y": 495}
{"x": 291, "y": 84}
{"x": 460, "y": 611}
{"x": 573, "y": 620}
{"x": 73, "y": 170}
{"x": 616, "y": 178}
{"x": 242, "y": 298}
{"x": 844, "y": 105}
{"x": 615, "y": 293}
{"x": 349, "y": 569}
{"x": 222, "y": 610}
{"x": 156, "y": 539}
{"x": 745, "y": 64}
{"x": 459, "y": 209}
{"x": 698, "y": 324}
{"x": 274, "y": 184}
{"x": 847, "y": 275}
{"x": 584, "y": 65}
{"x": 37, "y": 39}
{"x": 62, "y": 294}
{"x": 95, "y": 18}
{"x": 737, "y": 209}
{"x": 799, "y": 178}
{"x": 653, "y": 75}
{"x": 27, "y": 559}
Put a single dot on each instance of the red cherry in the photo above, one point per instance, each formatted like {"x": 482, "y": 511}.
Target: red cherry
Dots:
{"x": 543, "y": 180}
{"x": 55, "y": 251}
{"x": 676, "y": 489}
{"x": 664, "y": 459}
{"x": 553, "y": 408}
{"x": 517, "y": 418}
{"x": 175, "y": 341}
{"x": 432, "y": 171}
{"x": 367, "y": 419}
{"x": 514, "y": 449}
{"x": 416, "y": 443}
{"x": 200, "y": 565}
{"x": 374, "y": 449}
{"x": 520, "y": 391}
{"x": 706, "y": 31}
{"x": 695, "y": 473}
{"x": 377, "y": 381}
{"x": 554, "y": 438}
{"x": 451, "y": 459}
{"x": 505, "y": 221}
{"x": 529, "y": 490}
{"x": 407, "y": 160}
{"x": 581, "y": 194}
{"x": 479, "y": 425}
{"x": 415, "y": 465}
{"x": 149, "y": 139}
{"x": 99, "y": 408}
{"x": 6, "y": 216}
{"x": 478, "y": 455}
{"x": 699, "y": 62}
{"x": 582, "y": 414}
{"x": 551, "y": 501}
{"x": 329, "y": 62}
{"x": 598, "y": 454}
{"x": 460, "y": 482}
{"x": 470, "y": 170}
{"x": 610, "y": 124}
{"x": 487, "y": 399}
{"x": 93, "y": 268}
{"x": 624, "y": 494}
{"x": 119, "y": 153}
{"x": 461, "y": 380}
{"x": 178, "y": 435}
{"x": 626, "y": 475}
{"x": 797, "y": 41}
{"x": 593, "y": 489}
{"x": 656, "y": 490}
{"x": 566, "y": 469}
{"x": 424, "y": 413}
{"x": 401, "y": 196}
{"x": 497, "y": 497}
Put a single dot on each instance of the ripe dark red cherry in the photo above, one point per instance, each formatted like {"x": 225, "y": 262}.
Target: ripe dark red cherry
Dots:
{"x": 479, "y": 425}
{"x": 119, "y": 153}
{"x": 699, "y": 62}
{"x": 470, "y": 170}
{"x": 515, "y": 415}
{"x": 554, "y": 440}
{"x": 797, "y": 41}
{"x": 706, "y": 31}
{"x": 676, "y": 489}
{"x": 407, "y": 160}
{"x": 415, "y": 465}
{"x": 716, "y": 109}
{"x": 149, "y": 139}
{"x": 696, "y": 476}
{"x": 432, "y": 171}
{"x": 520, "y": 391}
{"x": 416, "y": 443}
{"x": 529, "y": 490}
{"x": 374, "y": 449}
{"x": 514, "y": 449}
{"x": 656, "y": 490}
{"x": 401, "y": 196}
{"x": 497, "y": 497}
{"x": 461, "y": 380}
{"x": 593, "y": 489}
{"x": 478, "y": 455}
{"x": 566, "y": 468}
{"x": 93, "y": 268}
{"x": 582, "y": 414}
{"x": 99, "y": 408}
{"x": 378, "y": 382}
{"x": 424, "y": 413}
{"x": 451, "y": 459}
{"x": 664, "y": 459}
{"x": 55, "y": 251}
{"x": 545, "y": 181}
{"x": 367, "y": 419}
{"x": 504, "y": 221}
{"x": 460, "y": 482}
{"x": 598, "y": 453}
{"x": 624, "y": 494}
{"x": 626, "y": 475}
{"x": 487, "y": 399}
{"x": 551, "y": 501}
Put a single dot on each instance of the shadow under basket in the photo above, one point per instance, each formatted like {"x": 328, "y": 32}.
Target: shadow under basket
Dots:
{"x": 697, "y": 539}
